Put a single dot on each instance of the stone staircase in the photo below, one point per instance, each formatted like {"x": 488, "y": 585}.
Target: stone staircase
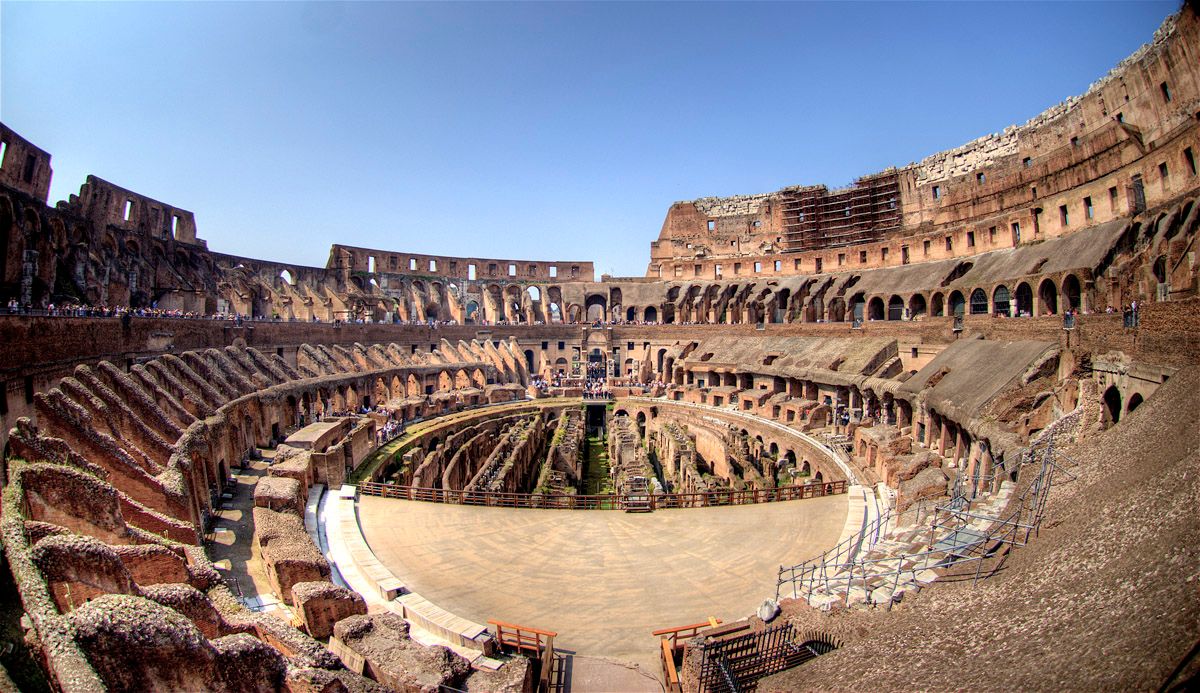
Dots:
{"x": 908, "y": 557}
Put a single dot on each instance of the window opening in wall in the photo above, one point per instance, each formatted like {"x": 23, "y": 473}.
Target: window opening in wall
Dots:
{"x": 412, "y": 263}
{"x": 758, "y": 267}
{"x": 697, "y": 269}
{"x": 471, "y": 271}
{"x": 925, "y": 248}
{"x": 862, "y": 257}
{"x": 371, "y": 264}
{"x": 904, "y": 255}
{"x": 128, "y": 210}
{"x": 553, "y": 271}
{"x": 1064, "y": 216}
{"x": 1089, "y": 212}
{"x": 29, "y": 389}
{"x": 1027, "y": 162}
{"x": 1190, "y": 159}
{"x": 1120, "y": 117}
{"x": 533, "y": 270}
{"x": 883, "y": 253}
{"x": 1164, "y": 174}
{"x": 512, "y": 270}
{"x": 970, "y": 239}
{"x": 937, "y": 192}
{"x": 1074, "y": 141}
{"x": 914, "y": 352}
{"x": 756, "y": 223}
{"x": 841, "y": 259}
{"x": 30, "y": 168}
{"x": 732, "y": 243}
{"x": 778, "y": 265}
{"x": 717, "y": 271}
{"x": 562, "y": 346}
{"x": 1033, "y": 192}
{"x": 453, "y": 268}
{"x": 1016, "y": 233}
{"x": 980, "y": 178}
{"x": 737, "y": 268}
{"x": 1166, "y": 92}
{"x": 3, "y": 152}
{"x": 574, "y": 270}
{"x": 174, "y": 224}
{"x": 678, "y": 270}
{"x": 796, "y": 265}
{"x": 1112, "y": 199}
{"x": 949, "y": 243}
{"x": 991, "y": 235}
{"x": 433, "y": 266}
{"x": 817, "y": 265}
{"x": 1137, "y": 194}
{"x": 712, "y": 225}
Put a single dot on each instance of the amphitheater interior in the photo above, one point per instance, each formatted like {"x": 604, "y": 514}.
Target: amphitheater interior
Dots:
{"x": 955, "y": 402}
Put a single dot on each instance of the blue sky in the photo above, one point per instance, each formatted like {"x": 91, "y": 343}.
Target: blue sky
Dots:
{"x": 532, "y": 131}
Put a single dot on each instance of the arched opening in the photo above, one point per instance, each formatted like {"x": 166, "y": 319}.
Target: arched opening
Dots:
{"x": 651, "y": 314}
{"x": 957, "y": 303}
{"x": 529, "y": 360}
{"x": 895, "y": 308}
{"x": 937, "y": 307}
{"x": 858, "y": 304}
{"x": 631, "y": 314}
{"x": 555, "y": 313}
{"x": 837, "y": 310}
{"x": 535, "y": 294}
{"x": 916, "y": 306}
{"x": 1000, "y": 300}
{"x": 1112, "y": 405}
{"x": 472, "y": 312}
{"x": 1024, "y": 300}
{"x": 1048, "y": 296}
{"x": 875, "y": 309}
{"x": 1072, "y": 294}
{"x": 1135, "y": 401}
{"x": 595, "y": 308}
{"x": 979, "y": 302}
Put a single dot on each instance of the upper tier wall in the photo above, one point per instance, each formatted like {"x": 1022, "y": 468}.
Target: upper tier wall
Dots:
{"x": 1127, "y": 144}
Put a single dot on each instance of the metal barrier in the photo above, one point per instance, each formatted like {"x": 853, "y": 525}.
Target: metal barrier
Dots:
{"x": 702, "y": 499}
{"x": 951, "y": 540}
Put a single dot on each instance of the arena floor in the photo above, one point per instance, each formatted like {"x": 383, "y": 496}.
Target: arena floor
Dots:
{"x": 602, "y": 579}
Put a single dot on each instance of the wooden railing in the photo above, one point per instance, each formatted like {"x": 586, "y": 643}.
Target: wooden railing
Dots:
{"x": 702, "y": 499}
{"x": 669, "y": 649}
{"x": 534, "y": 642}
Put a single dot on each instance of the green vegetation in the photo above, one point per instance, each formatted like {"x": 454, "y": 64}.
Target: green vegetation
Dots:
{"x": 596, "y": 479}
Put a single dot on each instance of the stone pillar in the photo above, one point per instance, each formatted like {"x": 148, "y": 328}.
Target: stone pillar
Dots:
{"x": 28, "y": 272}
{"x": 972, "y": 462}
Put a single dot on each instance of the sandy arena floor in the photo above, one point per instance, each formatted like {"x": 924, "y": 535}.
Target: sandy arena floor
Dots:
{"x": 603, "y": 579}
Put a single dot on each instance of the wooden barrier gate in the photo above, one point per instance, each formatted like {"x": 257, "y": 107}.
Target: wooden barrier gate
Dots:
{"x": 535, "y": 643}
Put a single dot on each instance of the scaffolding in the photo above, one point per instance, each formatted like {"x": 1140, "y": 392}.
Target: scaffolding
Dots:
{"x": 815, "y": 218}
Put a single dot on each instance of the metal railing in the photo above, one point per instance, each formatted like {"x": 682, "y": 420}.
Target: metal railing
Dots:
{"x": 617, "y": 501}
{"x": 952, "y": 541}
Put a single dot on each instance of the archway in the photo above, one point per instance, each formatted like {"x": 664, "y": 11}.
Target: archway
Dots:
{"x": 895, "y": 308}
{"x": 1112, "y": 405}
{"x": 631, "y": 314}
{"x": 529, "y": 360}
{"x": 1048, "y": 296}
{"x": 1071, "y": 292}
{"x": 875, "y": 309}
{"x": 979, "y": 302}
{"x": 1024, "y": 297}
{"x": 595, "y": 308}
{"x": 937, "y": 306}
{"x": 1135, "y": 401}
{"x": 651, "y": 314}
{"x": 1000, "y": 300}
{"x": 957, "y": 303}
{"x": 916, "y": 306}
